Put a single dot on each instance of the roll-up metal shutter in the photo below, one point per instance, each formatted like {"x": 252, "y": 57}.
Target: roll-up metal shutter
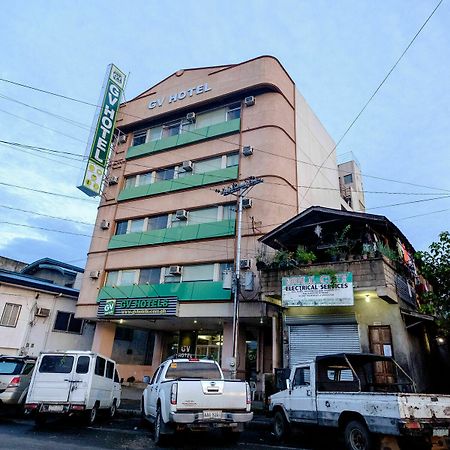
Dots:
{"x": 308, "y": 341}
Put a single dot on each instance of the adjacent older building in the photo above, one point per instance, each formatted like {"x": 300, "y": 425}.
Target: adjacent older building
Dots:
{"x": 37, "y": 308}
{"x": 164, "y": 236}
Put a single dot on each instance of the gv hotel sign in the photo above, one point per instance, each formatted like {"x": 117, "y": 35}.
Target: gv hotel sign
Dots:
{"x": 196, "y": 90}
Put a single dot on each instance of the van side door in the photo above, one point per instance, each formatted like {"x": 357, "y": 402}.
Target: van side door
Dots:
{"x": 80, "y": 379}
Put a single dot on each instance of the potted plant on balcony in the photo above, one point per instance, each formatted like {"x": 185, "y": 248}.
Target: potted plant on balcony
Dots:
{"x": 303, "y": 256}
{"x": 340, "y": 248}
{"x": 284, "y": 260}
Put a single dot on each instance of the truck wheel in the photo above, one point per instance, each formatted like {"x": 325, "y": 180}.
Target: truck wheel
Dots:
{"x": 158, "y": 437}
{"x": 357, "y": 436}
{"x": 91, "y": 415}
{"x": 281, "y": 428}
{"x": 112, "y": 411}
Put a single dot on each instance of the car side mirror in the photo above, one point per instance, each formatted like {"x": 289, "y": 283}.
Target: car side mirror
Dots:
{"x": 146, "y": 379}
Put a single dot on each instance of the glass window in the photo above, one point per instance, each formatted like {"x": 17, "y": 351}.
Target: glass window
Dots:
{"x": 56, "y": 364}
{"x": 157, "y": 222}
{"x": 116, "y": 377}
{"x": 229, "y": 212}
{"x": 66, "y": 321}
{"x": 348, "y": 178}
{"x": 200, "y": 272}
{"x": 150, "y": 276}
{"x": 28, "y": 368}
{"x": 10, "y": 315}
{"x": 109, "y": 369}
{"x": 234, "y": 112}
{"x": 210, "y": 118}
{"x": 207, "y": 165}
{"x": 171, "y": 129}
{"x": 171, "y": 277}
{"x": 124, "y": 334}
{"x": 202, "y": 370}
{"x": 128, "y": 277}
{"x": 83, "y": 364}
{"x": 111, "y": 278}
{"x": 139, "y": 137}
{"x": 155, "y": 133}
{"x": 145, "y": 178}
{"x": 233, "y": 160}
{"x": 122, "y": 227}
{"x": 165, "y": 174}
{"x": 130, "y": 182}
{"x": 10, "y": 366}
{"x": 100, "y": 366}
{"x": 137, "y": 226}
{"x": 203, "y": 215}
{"x": 223, "y": 267}
{"x": 155, "y": 375}
{"x": 302, "y": 377}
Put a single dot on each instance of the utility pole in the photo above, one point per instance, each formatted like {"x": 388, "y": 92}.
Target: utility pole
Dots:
{"x": 239, "y": 190}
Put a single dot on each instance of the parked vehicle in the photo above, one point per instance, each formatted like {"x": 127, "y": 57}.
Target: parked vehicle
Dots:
{"x": 193, "y": 394}
{"x": 364, "y": 396}
{"x": 15, "y": 376}
{"x": 73, "y": 383}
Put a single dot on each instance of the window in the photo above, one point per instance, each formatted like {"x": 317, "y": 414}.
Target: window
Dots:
{"x": 203, "y": 215}
{"x": 200, "y": 272}
{"x": 139, "y": 137}
{"x": 155, "y": 133}
{"x": 171, "y": 278}
{"x": 83, "y": 364}
{"x": 28, "y": 368}
{"x": 348, "y": 178}
{"x": 122, "y": 227}
{"x": 233, "y": 160}
{"x": 150, "y": 276}
{"x": 223, "y": 267}
{"x": 66, "y": 321}
{"x": 145, "y": 178}
{"x": 128, "y": 277}
{"x": 209, "y": 118}
{"x": 100, "y": 366}
{"x": 116, "y": 377}
{"x": 111, "y": 278}
{"x": 202, "y": 370}
{"x": 207, "y": 165}
{"x": 109, "y": 369}
{"x": 229, "y": 212}
{"x": 56, "y": 364}
{"x": 10, "y": 315}
{"x": 301, "y": 377}
{"x": 157, "y": 222}
{"x": 10, "y": 366}
{"x": 124, "y": 334}
{"x": 130, "y": 182}
{"x": 171, "y": 129}
{"x": 165, "y": 174}
{"x": 234, "y": 111}
{"x": 137, "y": 226}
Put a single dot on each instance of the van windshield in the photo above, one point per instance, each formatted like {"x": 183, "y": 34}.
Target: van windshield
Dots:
{"x": 56, "y": 364}
{"x": 10, "y": 367}
{"x": 206, "y": 371}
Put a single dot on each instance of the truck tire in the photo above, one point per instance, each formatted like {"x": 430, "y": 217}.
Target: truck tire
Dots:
{"x": 357, "y": 436}
{"x": 112, "y": 411}
{"x": 158, "y": 437}
{"x": 90, "y": 416}
{"x": 281, "y": 427}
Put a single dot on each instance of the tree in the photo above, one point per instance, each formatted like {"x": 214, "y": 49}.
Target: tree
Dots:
{"x": 435, "y": 267}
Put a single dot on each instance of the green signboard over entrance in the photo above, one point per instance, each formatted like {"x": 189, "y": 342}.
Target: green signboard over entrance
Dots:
{"x": 138, "y": 307}
{"x": 102, "y": 131}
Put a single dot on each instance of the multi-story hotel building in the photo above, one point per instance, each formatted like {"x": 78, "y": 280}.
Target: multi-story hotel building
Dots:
{"x": 164, "y": 236}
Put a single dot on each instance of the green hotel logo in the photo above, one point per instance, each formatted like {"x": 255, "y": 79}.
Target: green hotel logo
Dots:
{"x": 110, "y": 307}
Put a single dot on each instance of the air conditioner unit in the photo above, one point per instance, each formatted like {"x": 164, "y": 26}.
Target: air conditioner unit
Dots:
{"x": 174, "y": 270}
{"x": 94, "y": 274}
{"x": 247, "y": 203}
{"x": 247, "y": 150}
{"x": 113, "y": 180}
{"x": 245, "y": 264}
{"x": 181, "y": 214}
{"x": 122, "y": 138}
{"x": 190, "y": 117}
{"x": 105, "y": 224}
{"x": 249, "y": 101}
{"x": 42, "y": 312}
{"x": 187, "y": 166}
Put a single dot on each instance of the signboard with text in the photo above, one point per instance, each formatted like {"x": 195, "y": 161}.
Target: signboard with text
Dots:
{"x": 155, "y": 307}
{"x": 318, "y": 290}
{"x": 102, "y": 132}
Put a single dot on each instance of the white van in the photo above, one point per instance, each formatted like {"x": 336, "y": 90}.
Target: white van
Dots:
{"x": 73, "y": 382}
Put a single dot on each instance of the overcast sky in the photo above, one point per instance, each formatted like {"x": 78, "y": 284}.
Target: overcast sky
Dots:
{"x": 336, "y": 51}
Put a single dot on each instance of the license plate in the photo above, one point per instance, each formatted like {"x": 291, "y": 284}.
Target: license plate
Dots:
{"x": 440, "y": 431}
{"x": 212, "y": 414}
{"x": 55, "y": 408}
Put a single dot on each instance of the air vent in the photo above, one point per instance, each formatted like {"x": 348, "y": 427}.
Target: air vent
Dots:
{"x": 247, "y": 150}
{"x": 247, "y": 203}
{"x": 113, "y": 180}
{"x": 249, "y": 101}
{"x": 245, "y": 264}
{"x": 187, "y": 166}
{"x": 94, "y": 274}
{"x": 190, "y": 117}
{"x": 122, "y": 138}
{"x": 181, "y": 214}
{"x": 42, "y": 312}
{"x": 105, "y": 224}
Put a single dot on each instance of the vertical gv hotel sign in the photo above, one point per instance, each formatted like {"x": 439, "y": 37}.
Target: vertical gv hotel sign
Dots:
{"x": 102, "y": 131}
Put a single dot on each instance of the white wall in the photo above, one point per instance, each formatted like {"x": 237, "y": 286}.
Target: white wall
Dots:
{"x": 34, "y": 334}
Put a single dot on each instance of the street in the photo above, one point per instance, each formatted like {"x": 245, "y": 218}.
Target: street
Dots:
{"x": 128, "y": 433}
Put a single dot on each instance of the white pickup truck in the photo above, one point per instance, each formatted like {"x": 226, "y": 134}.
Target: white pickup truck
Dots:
{"x": 192, "y": 394}
{"x": 365, "y": 396}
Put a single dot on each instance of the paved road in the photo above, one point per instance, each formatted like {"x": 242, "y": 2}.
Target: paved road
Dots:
{"x": 128, "y": 433}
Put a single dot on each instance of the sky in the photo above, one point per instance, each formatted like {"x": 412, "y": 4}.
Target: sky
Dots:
{"x": 337, "y": 52}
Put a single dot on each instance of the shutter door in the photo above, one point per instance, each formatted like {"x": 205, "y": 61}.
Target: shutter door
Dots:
{"x": 308, "y": 341}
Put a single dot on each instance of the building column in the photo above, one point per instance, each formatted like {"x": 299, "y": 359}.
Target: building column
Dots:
{"x": 104, "y": 338}
{"x": 157, "y": 349}
{"x": 276, "y": 363}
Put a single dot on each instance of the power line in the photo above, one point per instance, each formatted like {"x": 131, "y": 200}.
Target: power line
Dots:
{"x": 424, "y": 214}
{"x": 408, "y": 203}
{"x": 374, "y": 93}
